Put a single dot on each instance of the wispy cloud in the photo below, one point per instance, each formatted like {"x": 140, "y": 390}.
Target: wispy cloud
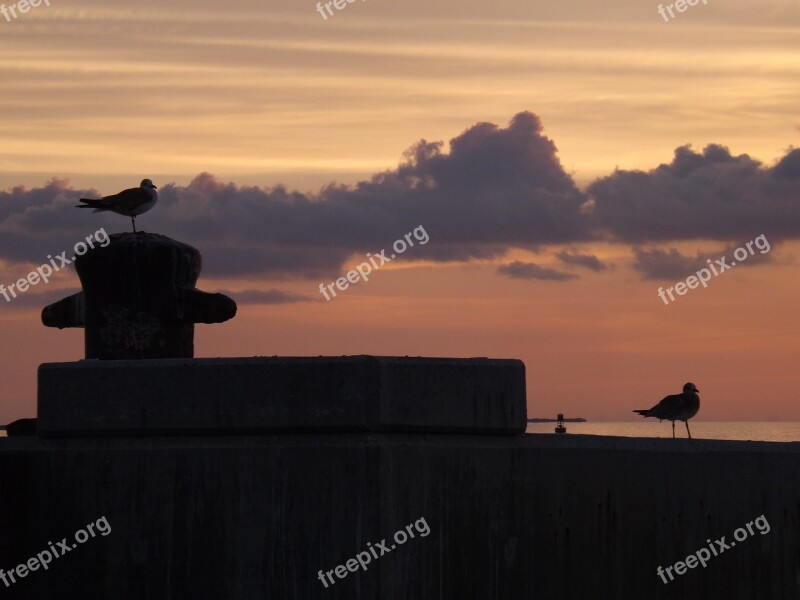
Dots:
{"x": 272, "y": 296}
{"x": 523, "y": 270}
{"x": 589, "y": 261}
{"x": 654, "y": 263}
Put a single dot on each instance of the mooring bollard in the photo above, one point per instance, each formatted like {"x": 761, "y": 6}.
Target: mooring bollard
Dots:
{"x": 139, "y": 299}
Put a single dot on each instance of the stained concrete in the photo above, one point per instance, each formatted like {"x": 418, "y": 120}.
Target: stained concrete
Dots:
{"x": 240, "y": 395}
{"x": 511, "y": 516}
{"x": 138, "y": 299}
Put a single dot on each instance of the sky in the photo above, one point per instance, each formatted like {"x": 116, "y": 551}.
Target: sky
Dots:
{"x": 564, "y": 162}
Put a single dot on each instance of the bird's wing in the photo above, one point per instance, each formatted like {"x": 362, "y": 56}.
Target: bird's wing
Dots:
{"x": 125, "y": 200}
{"x": 671, "y": 403}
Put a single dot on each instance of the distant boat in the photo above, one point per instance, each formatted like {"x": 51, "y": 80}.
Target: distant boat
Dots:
{"x": 572, "y": 420}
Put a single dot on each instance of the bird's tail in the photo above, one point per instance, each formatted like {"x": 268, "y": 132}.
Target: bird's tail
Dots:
{"x": 91, "y": 203}
{"x": 644, "y": 413}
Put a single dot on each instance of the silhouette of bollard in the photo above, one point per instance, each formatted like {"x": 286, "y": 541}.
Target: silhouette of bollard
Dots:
{"x": 139, "y": 299}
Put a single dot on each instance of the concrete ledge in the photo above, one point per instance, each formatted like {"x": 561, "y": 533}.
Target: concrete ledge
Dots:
{"x": 539, "y": 517}
{"x": 240, "y": 395}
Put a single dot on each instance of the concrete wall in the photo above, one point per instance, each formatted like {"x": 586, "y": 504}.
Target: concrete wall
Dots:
{"x": 510, "y": 517}
{"x": 214, "y": 396}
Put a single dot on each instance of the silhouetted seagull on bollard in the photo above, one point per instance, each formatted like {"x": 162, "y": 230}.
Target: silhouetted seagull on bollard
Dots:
{"x": 130, "y": 202}
{"x": 678, "y": 407}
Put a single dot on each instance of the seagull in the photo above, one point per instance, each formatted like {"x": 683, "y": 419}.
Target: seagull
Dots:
{"x": 678, "y": 407}
{"x": 130, "y": 202}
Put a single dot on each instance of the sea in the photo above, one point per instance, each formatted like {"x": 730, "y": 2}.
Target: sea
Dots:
{"x": 710, "y": 430}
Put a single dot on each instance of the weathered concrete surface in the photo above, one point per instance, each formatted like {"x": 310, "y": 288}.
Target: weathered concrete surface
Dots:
{"x": 235, "y": 395}
{"x": 21, "y": 427}
{"x": 139, "y": 299}
{"x": 511, "y": 517}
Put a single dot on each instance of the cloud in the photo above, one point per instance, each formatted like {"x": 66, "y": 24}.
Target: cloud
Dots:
{"x": 272, "y": 296}
{"x": 713, "y": 195}
{"x": 590, "y": 261}
{"x": 661, "y": 264}
{"x": 672, "y": 265}
{"x": 789, "y": 166}
{"x": 495, "y": 189}
{"x": 522, "y": 270}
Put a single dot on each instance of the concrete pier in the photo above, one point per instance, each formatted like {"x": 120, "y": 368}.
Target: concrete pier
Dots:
{"x": 248, "y": 479}
{"x": 279, "y": 394}
{"x": 252, "y": 517}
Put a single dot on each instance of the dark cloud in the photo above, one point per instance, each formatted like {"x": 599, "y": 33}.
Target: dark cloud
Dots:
{"x": 41, "y": 221}
{"x": 789, "y": 166}
{"x": 494, "y": 189}
{"x": 19, "y": 199}
{"x": 497, "y": 188}
{"x": 713, "y": 195}
{"x": 522, "y": 270}
{"x": 590, "y": 261}
{"x": 661, "y": 264}
{"x": 672, "y": 265}
{"x": 272, "y": 296}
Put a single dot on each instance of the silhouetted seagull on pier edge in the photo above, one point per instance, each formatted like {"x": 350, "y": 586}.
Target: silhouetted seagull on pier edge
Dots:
{"x": 130, "y": 202}
{"x": 678, "y": 407}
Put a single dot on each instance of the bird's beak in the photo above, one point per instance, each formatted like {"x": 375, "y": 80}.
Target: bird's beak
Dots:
{"x": 155, "y": 187}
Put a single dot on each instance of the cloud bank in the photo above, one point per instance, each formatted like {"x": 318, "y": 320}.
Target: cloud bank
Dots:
{"x": 494, "y": 190}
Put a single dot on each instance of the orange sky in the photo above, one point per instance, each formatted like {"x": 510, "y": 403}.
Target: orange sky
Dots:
{"x": 263, "y": 93}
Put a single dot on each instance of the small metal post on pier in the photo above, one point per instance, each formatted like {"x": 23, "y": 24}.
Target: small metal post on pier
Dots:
{"x": 560, "y": 425}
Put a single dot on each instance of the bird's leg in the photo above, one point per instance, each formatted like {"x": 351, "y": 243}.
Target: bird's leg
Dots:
{"x": 687, "y": 429}
{"x": 133, "y": 221}
{"x": 673, "y": 429}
